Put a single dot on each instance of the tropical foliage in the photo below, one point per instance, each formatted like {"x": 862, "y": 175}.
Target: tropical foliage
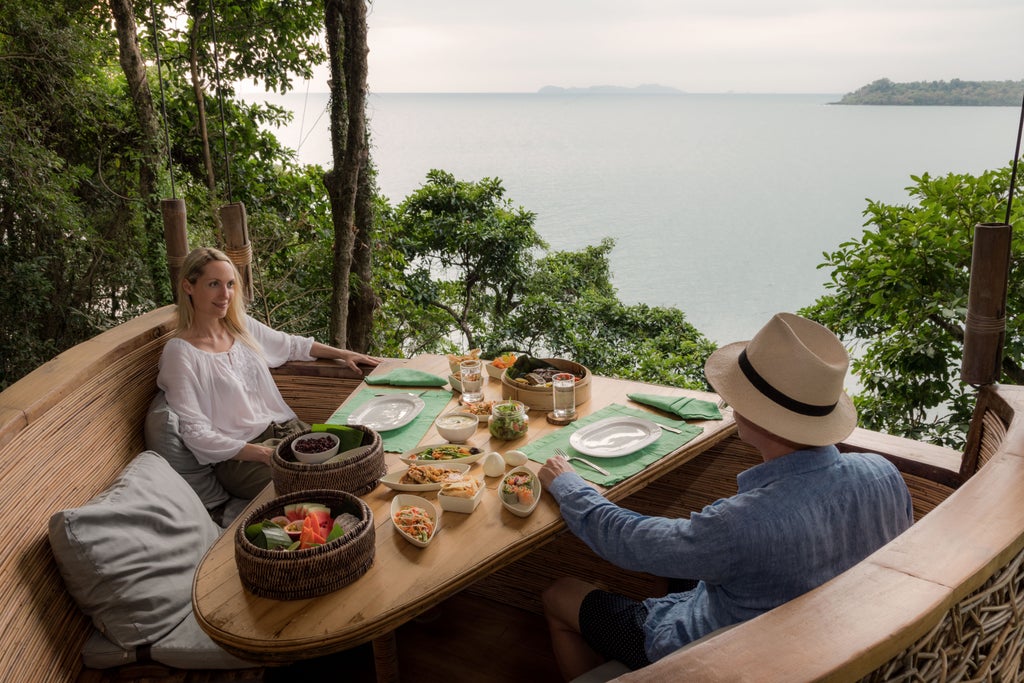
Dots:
{"x": 955, "y": 92}
{"x": 899, "y": 296}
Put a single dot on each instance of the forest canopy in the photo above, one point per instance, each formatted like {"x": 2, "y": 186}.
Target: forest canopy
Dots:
{"x": 955, "y": 93}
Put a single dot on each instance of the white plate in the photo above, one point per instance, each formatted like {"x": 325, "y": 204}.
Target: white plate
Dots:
{"x": 391, "y": 411}
{"x": 614, "y": 436}
{"x": 412, "y": 457}
{"x": 403, "y": 499}
{"x": 392, "y": 479}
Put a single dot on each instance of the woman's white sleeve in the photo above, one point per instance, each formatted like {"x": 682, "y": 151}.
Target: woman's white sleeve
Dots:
{"x": 279, "y": 347}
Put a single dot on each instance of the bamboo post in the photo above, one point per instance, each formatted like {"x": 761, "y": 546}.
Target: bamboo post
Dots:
{"x": 176, "y": 239}
{"x": 985, "y": 329}
{"x": 236, "y": 235}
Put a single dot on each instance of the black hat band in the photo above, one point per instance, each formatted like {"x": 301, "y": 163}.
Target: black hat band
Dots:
{"x": 776, "y": 396}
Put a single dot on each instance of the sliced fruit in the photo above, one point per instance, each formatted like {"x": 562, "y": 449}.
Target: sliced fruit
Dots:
{"x": 294, "y": 529}
{"x": 310, "y": 537}
{"x": 322, "y": 519}
{"x": 294, "y": 511}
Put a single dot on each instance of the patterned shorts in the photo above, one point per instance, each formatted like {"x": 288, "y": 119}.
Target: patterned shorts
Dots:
{"x": 613, "y": 626}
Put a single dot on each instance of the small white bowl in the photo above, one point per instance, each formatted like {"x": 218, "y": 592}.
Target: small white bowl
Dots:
{"x": 319, "y": 456}
{"x": 521, "y": 508}
{"x": 456, "y": 381}
{"x": 457, "y": 426}
{"x": 404, "y": 499}
{"x": 493, "y": 371}
{"x": 458, "y": 504}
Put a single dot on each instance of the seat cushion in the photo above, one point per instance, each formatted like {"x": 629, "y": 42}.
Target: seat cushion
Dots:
{"x": 185, "y": 647}
{"x": 162, "y": 436}
{"x": 129, "y": 554}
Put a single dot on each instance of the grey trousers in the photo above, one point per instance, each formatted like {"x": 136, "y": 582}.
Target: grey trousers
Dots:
{"x": 245, "y": 478}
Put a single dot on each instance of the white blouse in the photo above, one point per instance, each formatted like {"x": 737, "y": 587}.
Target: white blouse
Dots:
{"x": 224, "y": 399}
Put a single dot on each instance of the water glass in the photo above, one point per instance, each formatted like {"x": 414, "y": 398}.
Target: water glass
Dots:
{"x": 472, "y": 378}
{"x": 563, "y": 390}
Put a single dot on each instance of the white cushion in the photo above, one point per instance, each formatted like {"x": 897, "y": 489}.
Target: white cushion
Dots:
{"x": 129, "y": 554}
{"x": 162, "y": 435}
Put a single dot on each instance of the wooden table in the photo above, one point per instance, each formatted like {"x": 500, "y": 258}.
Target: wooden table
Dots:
{"x": 404, "y": 580}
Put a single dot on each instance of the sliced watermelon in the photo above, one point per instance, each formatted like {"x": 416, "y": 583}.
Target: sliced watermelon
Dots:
{"x": 296, "y": 511}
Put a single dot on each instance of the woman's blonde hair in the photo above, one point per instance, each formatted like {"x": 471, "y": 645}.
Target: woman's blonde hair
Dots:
{"x": 191, "y": 270}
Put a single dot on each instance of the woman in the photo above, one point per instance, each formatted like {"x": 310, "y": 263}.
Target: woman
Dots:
{"x": 216, "y": 374}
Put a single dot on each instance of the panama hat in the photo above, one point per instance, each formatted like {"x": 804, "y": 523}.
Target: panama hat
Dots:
{"x": 788, "y": 380}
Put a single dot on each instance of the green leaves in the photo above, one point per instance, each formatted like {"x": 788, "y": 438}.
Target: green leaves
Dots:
{"x": 899, "y": 297}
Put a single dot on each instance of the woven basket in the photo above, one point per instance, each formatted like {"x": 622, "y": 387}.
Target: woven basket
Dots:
{"x": 357, "y": 475}
{"x": 301, "y": 574}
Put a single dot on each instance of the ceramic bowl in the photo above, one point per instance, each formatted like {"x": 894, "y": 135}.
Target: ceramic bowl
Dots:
{"x": 520, "y": 491}
{"x": 458, "y": 503}
{"x": 317, "y": 457}
{"x": 393, "y": 480}
{"x": 455, "y": 379}
{"x": 457, "y": 426}
{"x": 407, "y": 499}
{"x": 493, "y": 371}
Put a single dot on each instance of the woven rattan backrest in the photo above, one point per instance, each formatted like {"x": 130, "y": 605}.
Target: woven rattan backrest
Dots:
{"x": 68, "y": 429}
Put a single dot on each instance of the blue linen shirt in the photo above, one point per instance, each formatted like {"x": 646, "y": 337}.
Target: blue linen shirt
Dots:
{"x": 796, "y": 522}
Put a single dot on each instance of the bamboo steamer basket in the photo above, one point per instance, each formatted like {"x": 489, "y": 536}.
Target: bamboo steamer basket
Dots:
{"x": 540, "y": 398}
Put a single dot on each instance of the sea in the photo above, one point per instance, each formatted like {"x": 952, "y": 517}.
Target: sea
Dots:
{"x": 720, "y": 205}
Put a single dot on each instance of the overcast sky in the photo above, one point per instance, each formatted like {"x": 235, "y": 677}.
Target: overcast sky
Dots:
{"x": 757, "y": 46}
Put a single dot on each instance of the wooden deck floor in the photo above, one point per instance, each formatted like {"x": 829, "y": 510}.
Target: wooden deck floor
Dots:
{"x": 468, "y": 638}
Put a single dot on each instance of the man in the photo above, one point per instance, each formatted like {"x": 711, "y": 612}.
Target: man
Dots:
{"x": 802, "y": 516}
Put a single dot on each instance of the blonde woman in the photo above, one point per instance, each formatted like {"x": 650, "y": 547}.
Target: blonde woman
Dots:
{"x": 216, "y": 374}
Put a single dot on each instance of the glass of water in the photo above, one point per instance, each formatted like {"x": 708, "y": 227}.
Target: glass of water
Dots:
{"x": 472, "y": 378}
{"x": 563, "y": 388}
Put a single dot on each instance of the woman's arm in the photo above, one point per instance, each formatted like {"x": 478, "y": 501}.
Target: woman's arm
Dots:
{"x": 351, "y": 358}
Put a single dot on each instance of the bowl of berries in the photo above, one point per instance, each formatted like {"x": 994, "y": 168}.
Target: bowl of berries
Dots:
{"x": 315, "y": 447}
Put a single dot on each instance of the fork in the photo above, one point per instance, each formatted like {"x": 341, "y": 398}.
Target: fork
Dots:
{"x": 559, "y": 451}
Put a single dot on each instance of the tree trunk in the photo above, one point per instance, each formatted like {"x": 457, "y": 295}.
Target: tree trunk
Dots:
{"x": 197, "y": 90}
{"x": 348, "y": 146}
{"x": 134, "y": 67}
{"x": 362, "y": 300}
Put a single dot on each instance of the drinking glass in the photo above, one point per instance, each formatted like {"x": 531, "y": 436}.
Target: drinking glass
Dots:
{"x": 563, "y": 389}
{"x": 472, "y": 373}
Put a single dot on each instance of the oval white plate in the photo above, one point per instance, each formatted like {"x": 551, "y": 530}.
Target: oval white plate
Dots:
{"x": 614, "y": 436}
{"x": 403, "y": 499}
{"x": 392, "y": 479}
{"x": 382, "y": 413}
{"x": 411, "y": 457}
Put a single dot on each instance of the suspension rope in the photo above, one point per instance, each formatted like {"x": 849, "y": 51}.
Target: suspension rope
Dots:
{"x": 163, "y": 99}
{"x": 220, "y": 100}
{"x": 1016, "y": 155}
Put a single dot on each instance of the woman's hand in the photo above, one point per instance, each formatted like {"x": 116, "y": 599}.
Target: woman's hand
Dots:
{"x": 254, "y": 452}
{"x": 352, "y": 359}
{"x": 552, "y": 468}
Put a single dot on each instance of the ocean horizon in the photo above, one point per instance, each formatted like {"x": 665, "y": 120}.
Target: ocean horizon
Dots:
{"x": 721, "y": 205}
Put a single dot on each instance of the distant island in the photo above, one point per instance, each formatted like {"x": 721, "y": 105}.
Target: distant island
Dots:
{"x": 647, "y": 89}
{"x": 952, "y": 93}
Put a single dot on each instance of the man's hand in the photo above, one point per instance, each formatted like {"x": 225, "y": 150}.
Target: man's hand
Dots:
{"x": 555, "y": 466}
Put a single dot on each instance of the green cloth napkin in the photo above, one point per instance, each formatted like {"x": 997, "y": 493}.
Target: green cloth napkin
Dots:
{"x": 683, "y": 406}
{"x": 407, "y": 377}
{"x": 404, "y": 438}
{"x": 623, "y": 466}
{"x": 348, "y": 438}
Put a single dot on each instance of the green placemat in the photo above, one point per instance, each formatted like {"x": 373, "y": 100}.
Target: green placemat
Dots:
{"x": 623, "y": 466}
{"x": 404, "y": 438}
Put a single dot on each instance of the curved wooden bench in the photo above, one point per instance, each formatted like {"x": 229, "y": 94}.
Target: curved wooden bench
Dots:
{"x": 66, "y": 432}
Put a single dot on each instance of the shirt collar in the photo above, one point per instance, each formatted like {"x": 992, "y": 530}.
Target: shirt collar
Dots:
{"x": 797, "y": 462}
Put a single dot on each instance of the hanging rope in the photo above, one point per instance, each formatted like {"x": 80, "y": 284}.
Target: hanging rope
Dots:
{"x": 220, "y": 100}
{"x": 163, "y": 99}
{"x": 1016, "y": 156}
